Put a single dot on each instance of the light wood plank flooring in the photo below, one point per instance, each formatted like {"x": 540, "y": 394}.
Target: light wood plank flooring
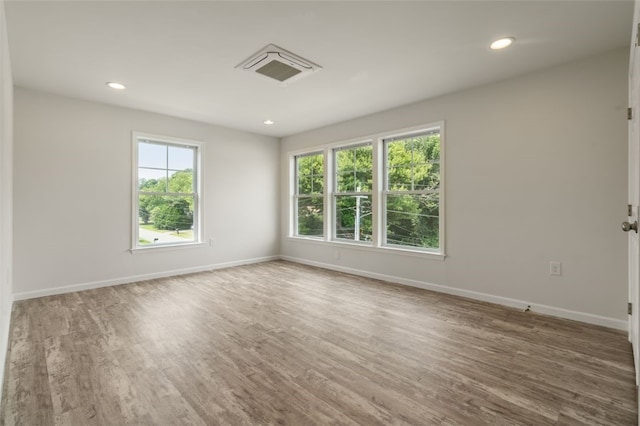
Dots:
{"x": 281, "y": 343}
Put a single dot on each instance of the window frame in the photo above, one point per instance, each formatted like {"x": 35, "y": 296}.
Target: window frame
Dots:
{"x": 296, "y": 195}
{"x": 378, "y": 194}
{"x": 335, "y": 194}
{"x": 386, "y": 191}
{"x": 198, "y": 192}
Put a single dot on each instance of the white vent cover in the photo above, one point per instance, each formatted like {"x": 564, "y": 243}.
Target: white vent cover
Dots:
{"x": 278, "y": 64}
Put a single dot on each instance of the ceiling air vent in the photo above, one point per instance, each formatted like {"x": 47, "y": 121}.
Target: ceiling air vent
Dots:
{"x": 278, "y": 64}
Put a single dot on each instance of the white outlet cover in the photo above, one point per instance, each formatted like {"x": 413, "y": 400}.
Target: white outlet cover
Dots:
{"x": 555, "y": 268}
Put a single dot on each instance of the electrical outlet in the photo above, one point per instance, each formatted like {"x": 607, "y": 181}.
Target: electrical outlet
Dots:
{"x": 212, "y": 242}
{"x": 555, "y": 268}
{"x": 336, "y": 254}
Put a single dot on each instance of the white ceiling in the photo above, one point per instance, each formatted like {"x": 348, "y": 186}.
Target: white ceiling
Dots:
{"x": 178, "y": 57}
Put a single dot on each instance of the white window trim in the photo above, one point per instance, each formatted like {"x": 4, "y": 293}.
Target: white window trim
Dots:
{"x": 384, "y": 191}
{"x": 377, "y": 244}
{"x": 293, "y": 190}
{"x": 198, "y": 228}
{"x": 334, "y": 191}
{"x": 402, "y": 251}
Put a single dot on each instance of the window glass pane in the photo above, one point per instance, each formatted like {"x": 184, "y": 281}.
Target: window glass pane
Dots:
{"x": 181, "y": 181}
{"x": 354, "y": 181}
{"x": 311, "y": 165}
{"x": 427, "y": 176}
{"x": 152, "y": 180}
{"x": 305, "y": 165}
{"x": 412, "y": 220}
{"x": 399, "y": 153}
{"x": 346, "y": 182}
{"x": 354, "y": 169}
{"x": 317, "y": 184}
{"x": 304, "y": 185}
{"x": 363, "y": 157}
{"x": 345, "y": 160}
{"x": 409, "y": 191}
{"x": 310, "y": 174}
{"x": 310, "y": 185}
{"x": 152, "y": 155}
{"x": 412, "y": 163}
{"x": 399, "y": 178}
{"x": 353, "y": 217}
{"x": 310, "y": 216}
{"x": 364, "y": 180}
{"x": 181, "y": 158}
{"x": 165, "y": 219}
{"x": 166, "y": 168}
{"x": 428, "y": 146}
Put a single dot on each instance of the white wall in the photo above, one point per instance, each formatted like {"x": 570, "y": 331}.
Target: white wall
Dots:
{"x": 6, "y": 190}
{"x": 73, "y": 195}
{"x": 536, "y": 171}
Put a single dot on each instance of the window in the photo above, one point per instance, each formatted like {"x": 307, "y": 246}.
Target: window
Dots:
{"x": 385, "y": 191}
{"x": 167, "y": 192}
{"x": 309, "y": 195}
{"x": 352, "y": 194}
{"x": 412, "y": 190}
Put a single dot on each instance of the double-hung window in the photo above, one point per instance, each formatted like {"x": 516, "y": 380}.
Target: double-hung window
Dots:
{"x": 384, "y": 191}
{"x": 309, "y": 195}
{"x": 412, "y": 190}
{"x": 353, "y": 180}
{"x": 167, "y": 195}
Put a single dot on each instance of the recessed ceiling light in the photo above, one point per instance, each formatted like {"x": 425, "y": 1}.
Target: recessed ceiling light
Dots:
{"x": 117, "y": 86}
{"x": 269, "y": 122}
{"x": 502, "y": 43}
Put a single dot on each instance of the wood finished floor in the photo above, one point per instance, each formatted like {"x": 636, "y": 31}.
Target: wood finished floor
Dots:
{"x": 281, "y": 343}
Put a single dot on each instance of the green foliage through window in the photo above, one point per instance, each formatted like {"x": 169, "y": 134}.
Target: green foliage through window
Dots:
{"x": 309, "y": 195}
{"x": 166, "y": 192}
{"x": 412, "y": 191}
{"x": 401, "y": 176}
{"x": 354, "y": 182}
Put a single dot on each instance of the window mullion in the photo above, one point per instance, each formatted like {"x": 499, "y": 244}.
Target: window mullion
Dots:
{"x": 306, "y": 196}
{"x": 402, "y": 207}
{"x": 329, "y": 188}
{"x": 414, "y": 218}
{"x": 352, "y": 209}
{"x": 353, "y": 194}
{"x": 162, "y": 217}
{"x": 166, "y": 181}
{"x": 170, "y": 194}
{"x": 378, "y": 176}
{"x": 413, "y": 167}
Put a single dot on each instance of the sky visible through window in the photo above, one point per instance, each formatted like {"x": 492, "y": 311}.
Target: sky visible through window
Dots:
{"x": 155, "y": 161}
{"x": 167, "y": 199}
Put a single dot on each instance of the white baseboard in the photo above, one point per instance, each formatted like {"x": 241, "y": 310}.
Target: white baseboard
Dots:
{"x": 135, "y": 278}
{"x": 520, "y": 304}
{"x": 514, "y": 303}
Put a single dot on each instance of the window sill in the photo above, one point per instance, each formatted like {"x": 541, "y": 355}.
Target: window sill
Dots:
{"x": 167, "y": 247}
{"x": 365, "y": 247}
